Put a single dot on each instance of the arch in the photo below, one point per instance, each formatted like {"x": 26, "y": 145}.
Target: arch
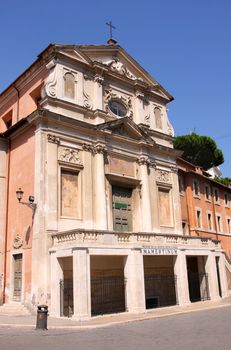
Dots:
{"x": 69, "y": 85}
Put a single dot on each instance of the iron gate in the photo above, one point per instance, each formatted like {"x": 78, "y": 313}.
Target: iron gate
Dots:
{"x": 66, "y": 297}
{"x": 107, "y": 295}
{"x": 198, "y": 286}
{"x": 160, "y": 290}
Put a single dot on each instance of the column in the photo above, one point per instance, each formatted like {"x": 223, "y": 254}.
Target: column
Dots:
{"x": 56, "y": 273}
{"x": 211, "y": 270}
{"x": 100, "y": 205}
{"x": 81, "y": 284}
{"x": 180, "y": 270}
{"x": 134, "y": 274}
{"x": 98, "y": 92}
{"x": 223, "y": 276}
{"x": 145, "y": 195}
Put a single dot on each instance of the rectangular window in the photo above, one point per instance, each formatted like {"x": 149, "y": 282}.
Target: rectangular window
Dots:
{"x": 216, "y": 196}
{"x": 196, "y": 188}
{"x": 198, "y": 216}
{"x": 69, "y": 193}
{"x": 181, "y": 185}
{"x": 226, "y": 200}
{"x": 229, "y": 225}
{"x": 219, "y": 227}
{"x": 207, "y": 193}
{"x": 164, "y": 208}
{"x": 210, "y": 225}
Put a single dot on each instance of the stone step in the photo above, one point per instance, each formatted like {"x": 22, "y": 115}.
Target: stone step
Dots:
{"x": 14, "y": 309}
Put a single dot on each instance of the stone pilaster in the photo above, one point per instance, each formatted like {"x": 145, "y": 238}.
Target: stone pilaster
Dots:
{"x": 134, "y": 275}
{"x": 100, "y": 204}
{"x": 56, "y": 273}
{"x": 210, "y": 269}
{"x": 145, "y": 194}
{"x": 81, "y": 284}
{"x": 180, "y": 270}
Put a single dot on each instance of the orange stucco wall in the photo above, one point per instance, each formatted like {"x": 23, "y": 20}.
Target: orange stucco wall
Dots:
{"x": 22, "y": 102}
{"x": 20, "y": 221}
{"x": 190, "y": 203}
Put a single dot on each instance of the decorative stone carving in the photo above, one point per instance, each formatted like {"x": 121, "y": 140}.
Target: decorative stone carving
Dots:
{"x": 118, "y": 67}
{"x": 147, "y": 119}
{"x": 69, "y": 155}
{"x": 87, "y": 100}
{"x": 49, "y": 88}
{"x": 163, "y": 176}
{"x": 170, "y": 128}
{"x": 53, "y": 139}
{"x": 99, "y": 79}
{"x": 17, "y": 242}
{"x": 143, "y": 160}
{"x": 99, "y": 148}
{"x": 109, "y": 94}
{"x": 87, "y": 147}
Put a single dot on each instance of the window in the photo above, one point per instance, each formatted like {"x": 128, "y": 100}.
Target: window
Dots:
{"x": 7, "y": 118}
{"x": 117, "y": 108}
{"x": 210, "y": 224}
{"x": 184, "y": 227}
{"x": 229, "y": 225}
{"x": 216, "y": 196}
{"x": 198, "y": 218}
{"x": 164, "y": 207}
{"x": 158, "y": 118}
{"x": 69, "y": 193}
{"x": 196, "y": 188}
{"x": 219, "y": 226}
{"x": 69, "y": 85}
{"x": 226, "y": 200}
{"x": 207, "y": 193}
{"x": 181, "y": 185}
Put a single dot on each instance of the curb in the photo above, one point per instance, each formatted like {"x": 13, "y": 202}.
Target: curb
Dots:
{"x": 118, "y": 322}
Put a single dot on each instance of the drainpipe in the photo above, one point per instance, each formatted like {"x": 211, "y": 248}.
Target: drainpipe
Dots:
{"x": 6, "y": 219}
{"x": 214, "y": 213}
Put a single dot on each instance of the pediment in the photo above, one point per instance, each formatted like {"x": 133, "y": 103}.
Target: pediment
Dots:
{"x": 75, "y": 53}
{"x": 126, "y": 128}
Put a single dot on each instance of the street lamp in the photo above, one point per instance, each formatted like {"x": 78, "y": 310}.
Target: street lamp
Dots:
{"x": 30, "y": 204}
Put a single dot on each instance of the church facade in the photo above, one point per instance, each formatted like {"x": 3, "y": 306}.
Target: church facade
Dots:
{"x": 90, "y": 213}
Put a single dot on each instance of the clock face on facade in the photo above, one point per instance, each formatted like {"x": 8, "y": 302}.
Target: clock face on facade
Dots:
{"x": 117, "y": 108}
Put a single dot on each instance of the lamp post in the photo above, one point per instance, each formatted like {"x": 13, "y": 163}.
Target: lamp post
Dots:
{"x": 30, "y": 203}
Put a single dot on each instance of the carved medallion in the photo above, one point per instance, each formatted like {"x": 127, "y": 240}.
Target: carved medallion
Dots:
{"x": 17, "y": 242}
{"x": 163, "y": 176}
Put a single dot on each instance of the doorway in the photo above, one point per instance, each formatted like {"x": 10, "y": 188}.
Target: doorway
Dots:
{"x": 17, "y": 262}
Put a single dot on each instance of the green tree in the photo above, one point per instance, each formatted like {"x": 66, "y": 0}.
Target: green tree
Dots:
{"x": 199, "y": 150}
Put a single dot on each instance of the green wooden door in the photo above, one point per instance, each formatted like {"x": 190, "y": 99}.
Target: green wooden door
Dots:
{"x": 122, "y": 210}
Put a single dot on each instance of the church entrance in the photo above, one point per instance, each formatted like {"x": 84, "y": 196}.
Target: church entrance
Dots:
{"x": 107, "y": 285}
{"x": 160, "y": 281}
{"x": 197, "y": 279}
{"x": 122, "y": 208}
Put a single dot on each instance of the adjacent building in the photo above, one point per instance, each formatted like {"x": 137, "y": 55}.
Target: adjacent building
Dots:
{"x": 90, "y": 212}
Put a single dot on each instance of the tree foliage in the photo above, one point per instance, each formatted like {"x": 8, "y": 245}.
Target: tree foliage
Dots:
{"x": 223, "y": 180}
{"x": 199, "y": 150}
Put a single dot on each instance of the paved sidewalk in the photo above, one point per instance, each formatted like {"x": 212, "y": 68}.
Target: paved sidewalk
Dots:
{"x": 108, "y": 320}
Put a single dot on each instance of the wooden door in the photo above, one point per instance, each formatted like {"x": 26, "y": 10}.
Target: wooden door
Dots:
{"x": 17, "y": 277}
{"x": 122, "y": 210}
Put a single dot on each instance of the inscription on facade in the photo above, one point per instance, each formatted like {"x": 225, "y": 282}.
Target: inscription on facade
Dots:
{"x": 159, "y": 251}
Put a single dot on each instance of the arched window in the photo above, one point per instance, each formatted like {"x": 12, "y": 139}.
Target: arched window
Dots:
{"x": 158, "y": 118}
{"x": 69, "y": 85}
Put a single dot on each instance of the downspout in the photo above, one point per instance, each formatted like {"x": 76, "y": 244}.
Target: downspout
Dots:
{"x": 214, "y": 212}
{"x": 6, "y": 220}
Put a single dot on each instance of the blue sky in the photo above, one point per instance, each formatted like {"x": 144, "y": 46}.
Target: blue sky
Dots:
{"x": 184, "y": 44}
